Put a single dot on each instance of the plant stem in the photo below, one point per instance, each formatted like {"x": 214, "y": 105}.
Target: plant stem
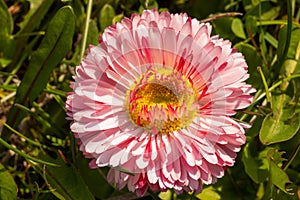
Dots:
{"x": 86, "y": 29}
{"x": 270, "y": 90}
{"x": 265, "y": 83}
{"x": 274, "y": 22}
{"x": 221, "y": 15}
{"x": 21, "y": 135}
{"x": 277, "y": 85}
{"x": 5, "y": 144}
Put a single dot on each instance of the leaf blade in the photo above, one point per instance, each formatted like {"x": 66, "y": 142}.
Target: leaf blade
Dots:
{"x": 277, "y": 175}
{"x": 238, "y": 28}
{"x": 106, "y": 16}
{"x": 65, "y": 182}
{"x": 279, "y": 126}
{"x": 6, "y": 22}
{"x": 54, "y": 46}
{"x": 6, "y": 40}
{"x": 8, "y": 187}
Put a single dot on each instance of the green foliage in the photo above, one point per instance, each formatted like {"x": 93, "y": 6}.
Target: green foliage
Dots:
{"x": 282, "y": 124}
{"x": 237, "y": 28}
{"x": 256, "y": 167}
{"x": 209, "y": 193}
{"x": 253, "y": 60}
{"x": 6, "y": 41}
{"x": 41, "y": 43}
{"x": 54, "y": 46}
{"x": 278, "y": 176}
{"x": 106, "y": 16}
{"x": 8, "y": 187}
{"x": 93, "y": 178}
{"x": 64, "y": 181}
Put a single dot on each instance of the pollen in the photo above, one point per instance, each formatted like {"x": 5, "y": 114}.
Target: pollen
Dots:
{"x": 162, "y": 101}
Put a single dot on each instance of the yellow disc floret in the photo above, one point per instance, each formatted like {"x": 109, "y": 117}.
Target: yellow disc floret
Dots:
{"x": 162, "y": 101}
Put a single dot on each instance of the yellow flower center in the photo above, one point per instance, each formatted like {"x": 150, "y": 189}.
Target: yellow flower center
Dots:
{"x": 162, "y": 101}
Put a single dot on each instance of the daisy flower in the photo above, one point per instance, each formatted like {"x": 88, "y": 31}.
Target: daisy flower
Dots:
{"x": 153, "y": 101}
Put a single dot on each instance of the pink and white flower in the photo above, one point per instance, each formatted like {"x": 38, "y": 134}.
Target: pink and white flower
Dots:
{"x": 154, "y": 98}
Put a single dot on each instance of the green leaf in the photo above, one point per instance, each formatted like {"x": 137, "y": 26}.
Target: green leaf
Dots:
{"x": 6, "y": 39}
{"x": 282, "y": 124}
{"x": 78, "y": 10}
{"x": 263, "y": 10}
{"x": 272, "y": 40}
{"x": 295, "y": 38}
{"x": 271, "y": 13}
{"x": 8, "y": 187}
{"x": 263, "y": 46}
{"x": 276, "y": 156}
{"x": 253, "y": 60}
{"x": 93, "y": 33}
{"x": 253, "y": 132}
{"x": 117, "y": 18}
{"x": 250, "y": 25}
{"x": 238, "y": 28}
{"x": 64, "y": 181}
{"x": 52, "y": 120}
{"x": 27, "y": 27}
{"x": 290, "y": 147}
{"x": 6, "y": 21}
{"x": 289, "y": 65}
{"x": 292, "y": 195}
{"x": 165, "y": 195}
{"x": 35, "y": 11}
{"x": 277, "y": 176}
{"x": 124, "y": 170}
{"x": 256, "y": 168}
{"x": 222, "y": 27}
{"x": 54, "y": 46}
{"x": 7, "y": 47}
{"x": 288, "y": 68}
{"x": 209, "y": 193}
{"x": 107, "y": 14}
{"x": 226, "y": 189}
{"x": 260, "y": 191}
{"x": 94, "y": 179}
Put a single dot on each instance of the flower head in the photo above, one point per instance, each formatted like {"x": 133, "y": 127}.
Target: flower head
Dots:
{"x": 155, "y": 98}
